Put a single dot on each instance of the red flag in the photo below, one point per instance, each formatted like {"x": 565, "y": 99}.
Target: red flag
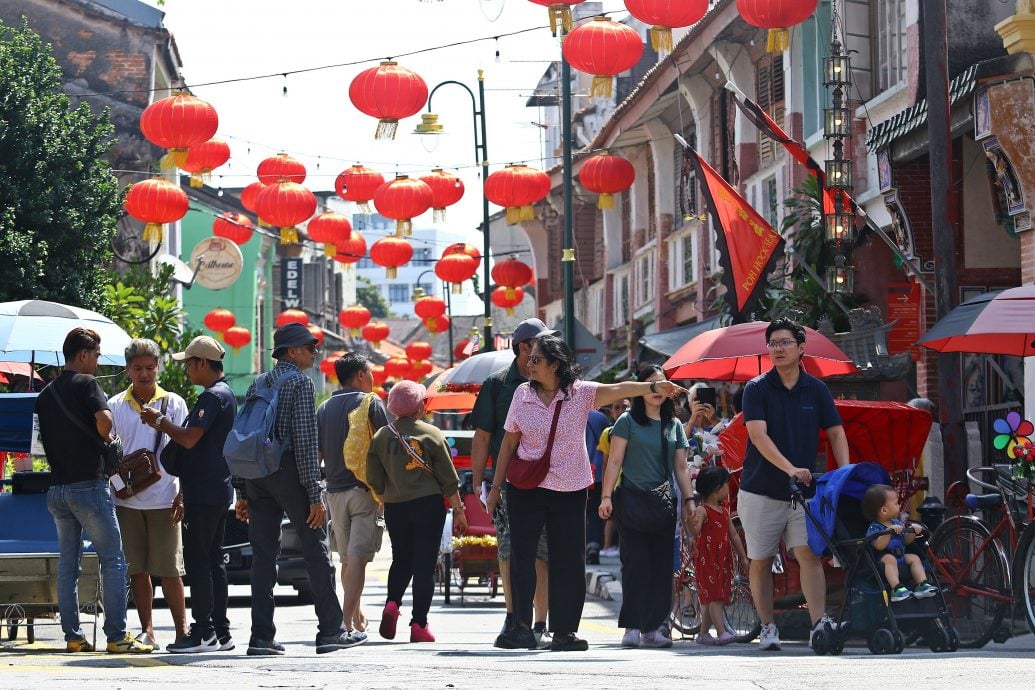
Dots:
{"x": 747, "y": 243}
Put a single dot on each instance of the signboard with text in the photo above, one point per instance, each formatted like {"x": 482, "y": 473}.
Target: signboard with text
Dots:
{"x": 291, "y": 283}
{"x": 904, "y": 311}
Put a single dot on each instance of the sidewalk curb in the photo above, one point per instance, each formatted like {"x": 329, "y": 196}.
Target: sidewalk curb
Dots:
{"x": 603, "y": 584}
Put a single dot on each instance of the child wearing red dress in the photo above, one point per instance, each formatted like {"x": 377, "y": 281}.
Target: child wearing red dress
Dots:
{"x": 713, "y": 555}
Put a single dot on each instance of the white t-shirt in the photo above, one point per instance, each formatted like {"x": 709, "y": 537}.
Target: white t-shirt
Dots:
{"x": 135, "y": 434}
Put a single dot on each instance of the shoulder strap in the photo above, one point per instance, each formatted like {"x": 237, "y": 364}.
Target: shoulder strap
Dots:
{"x": 553, "y": 429}
{"x": 664, "y": 446}
{"x": 409, "y": 450}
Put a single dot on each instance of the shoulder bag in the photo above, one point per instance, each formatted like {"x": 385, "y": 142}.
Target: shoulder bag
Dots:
{"x": 111, "y": 451}
{"x": 649, "y": 510}
{"x": 139, "y": 470}
{"x": 528, "y": 474}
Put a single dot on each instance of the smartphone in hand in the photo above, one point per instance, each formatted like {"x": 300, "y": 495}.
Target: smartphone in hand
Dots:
{"x": 706, "y": 396}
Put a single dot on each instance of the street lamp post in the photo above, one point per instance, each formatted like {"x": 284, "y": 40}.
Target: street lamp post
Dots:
{"x": 429, "y": 129}
{"x": 568, "y": 253}
{"x": 418, "y": 292}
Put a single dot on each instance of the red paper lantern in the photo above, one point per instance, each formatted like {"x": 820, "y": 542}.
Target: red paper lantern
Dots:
{"x": 284, "y": 205}
{"x": 381, "y": 393}
{"x": 455, "y": 269}
{"x": 463, "y": 248}
{"x": 606, "y": 174}
{"x": 329, "y": 229}
{"x": 327, "y": 368}
{"x": 446, "y": 190}
{"x": 376, "y": 332}
{"x": 250, "y": 195}
{"x": 516, "y": 188}
{"x": 419, "y": 369}
{"x": 560, "y": 13}
{"x": 205, "y": 157}
{"x": 402, "y": 199}
{"x": 237, "y": 337}
{"x": 397, "y": 367}
{"x": 429, "y": 307}
{"x": 177, "y": 123}
{"x": 391, "y": 252}
{"x": 437, "y": 324}
{"x": 418, "y": 350}
{"x": 511, "y": 274}
{"x": 219, "y": 320}
{"x": 388, "y": 92}
{"x": 503, "y": 301}
{"x": 358, "y": 184}
{"x": 354, "y": 318}
{"x": 235, "y": 227}
{"x": 777, "y": 16}
{"x": 378, "y": 374}
{"x": 664, "y": 15}
{"x": 603, "y": 48}
{"x": 352, "y": 249}
{"x": 317, "y": 333}
{"x": 281, "y": 168}
{"x": 156, "y": 202}
{"x": 292, "y": 316}
{"x": 458, "y": 350}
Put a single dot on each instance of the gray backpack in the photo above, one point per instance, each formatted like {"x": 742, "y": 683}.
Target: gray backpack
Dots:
{"x": 252, "y": 449}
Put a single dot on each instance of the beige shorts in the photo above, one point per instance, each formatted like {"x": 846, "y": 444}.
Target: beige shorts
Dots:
{"x": 152, "y": 541}
{"x": 354, "y": 524}
{"x": 767, "y": 520}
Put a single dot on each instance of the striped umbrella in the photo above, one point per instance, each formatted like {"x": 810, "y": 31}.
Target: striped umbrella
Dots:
{"x": 995, "y": 323}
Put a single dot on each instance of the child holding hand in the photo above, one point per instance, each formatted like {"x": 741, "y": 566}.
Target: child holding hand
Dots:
{"x": 881, "y": 507}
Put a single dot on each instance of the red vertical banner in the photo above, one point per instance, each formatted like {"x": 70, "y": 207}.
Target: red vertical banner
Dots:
{"x": 904, "y": 312}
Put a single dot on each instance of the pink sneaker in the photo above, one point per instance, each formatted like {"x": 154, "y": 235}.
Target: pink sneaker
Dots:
{"x": 705, "y": 638}
{"x": 420, "y": 633}
{"x": 725, "y": 638}
{"x": 389, "y": 617}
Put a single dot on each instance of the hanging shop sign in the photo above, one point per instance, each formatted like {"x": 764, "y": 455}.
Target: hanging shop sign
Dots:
{"x": 291, "y": 283}
{"x": 218, "y": 262}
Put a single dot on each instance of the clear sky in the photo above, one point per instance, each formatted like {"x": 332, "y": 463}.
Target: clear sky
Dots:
{"x": 230, "y": 39}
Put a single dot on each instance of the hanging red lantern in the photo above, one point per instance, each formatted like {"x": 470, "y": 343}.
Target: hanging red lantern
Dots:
{"x": 381, "y": 393}
{"x": 388, "y": 92}
{"x": 665, "y": 15}
{"x": 378, "y": 374}
{"x": 402, "y": 199}
{"x": 292, "y": 316}
{"x": 284, "y": 205}
{"x": 421, "y": 367}
{"x": 250, "y": 194}
{"x": 281, "y": 168}
{"x": 606, "y": 174}
{"x": 329, "y": 229}
{"x": 503, "y": 301}
{"x": 429, "y": 307}
{"x": 446, "y": 190}
{"x": 516, "y": 188}
{"x": 463, "y": 248}
{"x": 354, "y": 318}
{"x": 358, "y": 184}
{"x": 437, "y": 324}
{"x": 156, "y": 202}
{"x": 560, "y": 13}
{"x": 327, "y": 368}
{"x": 419, "y": 350}
{"x": 235, "y": 227}
{"x": 391, "y": 252}
{"x": 317, "y": 333}
{"x": 396, "y": 367}
{"x": 205, "y": 157}
{"x": 777, "y": 16}
{"x": 455, "y": 269}
{"x": 511, "y": 274}
{"x": 458, "y": 350}
{"x": 603, "y": 48}
{"x": 376, "y": 332}
{"x": 237, "y": 337}
{"x": 219, "y": 320}
{"x": 352, "y": 249}
{"x": 177, "y": 123}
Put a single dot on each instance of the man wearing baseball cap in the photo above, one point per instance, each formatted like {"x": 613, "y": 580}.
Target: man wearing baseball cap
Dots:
{"x": 294, "y": 489}
{"x": 487, "y": 416}
{"x": 195, "y": 455}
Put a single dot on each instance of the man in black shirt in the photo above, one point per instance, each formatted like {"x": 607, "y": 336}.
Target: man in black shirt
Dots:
{"x": 195, "y": 454}
{"x": 74, "y": 423}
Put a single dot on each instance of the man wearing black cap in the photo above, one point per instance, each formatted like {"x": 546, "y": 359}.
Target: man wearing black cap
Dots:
{"x": 293, "y": 489}
{"x": 488, "y": 415}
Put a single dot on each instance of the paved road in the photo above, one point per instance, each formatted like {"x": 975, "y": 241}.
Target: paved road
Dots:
{"x": 463, "y": 657}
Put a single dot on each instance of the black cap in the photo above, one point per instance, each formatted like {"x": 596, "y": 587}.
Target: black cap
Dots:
{"x": 291, "y": 335}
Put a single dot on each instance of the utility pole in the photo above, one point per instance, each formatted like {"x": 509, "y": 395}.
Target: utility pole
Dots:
{"x": 568, "y": 258}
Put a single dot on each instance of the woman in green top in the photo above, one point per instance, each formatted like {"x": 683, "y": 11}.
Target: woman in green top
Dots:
{"x": 410, "y": 467}
{"x": 648, "y": 447}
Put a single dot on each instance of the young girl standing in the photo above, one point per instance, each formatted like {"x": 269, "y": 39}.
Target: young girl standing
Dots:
{"x": 713, "y": 555}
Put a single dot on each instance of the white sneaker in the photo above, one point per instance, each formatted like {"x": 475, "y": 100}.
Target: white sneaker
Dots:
{"x": 609, "y": 552}
{"x": 631, "y": 638}
{"x": 769, "y": 639}
{"x": 657, "y": 639}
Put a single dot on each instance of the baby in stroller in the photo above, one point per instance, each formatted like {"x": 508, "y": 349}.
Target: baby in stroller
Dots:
{"x": 881, "y": 507}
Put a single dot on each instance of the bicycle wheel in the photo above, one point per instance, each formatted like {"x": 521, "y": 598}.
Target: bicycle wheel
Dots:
{"x": 1024, "y": 574}
{"x": 740, "y": 615}
{"x": 971, "y": 568}
{"x": 686, "y": 608}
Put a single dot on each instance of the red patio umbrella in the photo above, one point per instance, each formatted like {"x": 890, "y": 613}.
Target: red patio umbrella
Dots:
{"x": 738, "y": 353}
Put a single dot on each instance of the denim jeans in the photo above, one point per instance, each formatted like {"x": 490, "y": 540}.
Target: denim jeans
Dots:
{"x": 88, "y": 507}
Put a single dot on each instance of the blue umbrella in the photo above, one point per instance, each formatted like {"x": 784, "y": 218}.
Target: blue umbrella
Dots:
{"x": 35, "y": 330}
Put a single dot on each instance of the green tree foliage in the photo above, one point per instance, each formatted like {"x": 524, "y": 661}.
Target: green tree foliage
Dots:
{"x": 370, "y": 297}
{"x": 59, "y": 201}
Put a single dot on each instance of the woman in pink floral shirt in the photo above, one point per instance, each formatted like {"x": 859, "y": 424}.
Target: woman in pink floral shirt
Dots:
{"x": 559, "y": 501}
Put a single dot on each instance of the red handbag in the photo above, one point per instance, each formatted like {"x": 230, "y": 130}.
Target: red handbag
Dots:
{"x": 528, "y": 474}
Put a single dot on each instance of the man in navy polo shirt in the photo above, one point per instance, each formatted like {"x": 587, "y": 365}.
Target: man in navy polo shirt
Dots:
{"x": 784, "y": 409}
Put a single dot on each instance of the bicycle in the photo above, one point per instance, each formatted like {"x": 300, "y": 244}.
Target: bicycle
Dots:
{"x": 981, "y": 581}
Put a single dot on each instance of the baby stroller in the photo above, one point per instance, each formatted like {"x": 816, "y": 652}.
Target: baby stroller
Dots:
{"x": 837, "y": 528}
